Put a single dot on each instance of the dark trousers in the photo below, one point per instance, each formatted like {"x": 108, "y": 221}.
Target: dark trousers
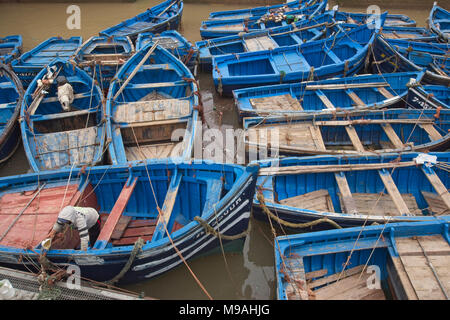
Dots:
{"x": 94, "y": 232}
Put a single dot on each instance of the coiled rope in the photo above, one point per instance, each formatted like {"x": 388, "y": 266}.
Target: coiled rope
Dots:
{"x": 260, "y": 198}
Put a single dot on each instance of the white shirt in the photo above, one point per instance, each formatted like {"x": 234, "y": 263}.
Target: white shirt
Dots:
{"x": 81, "y": 218}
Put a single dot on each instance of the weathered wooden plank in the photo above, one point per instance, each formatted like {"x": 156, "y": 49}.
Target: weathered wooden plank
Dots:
{"x": 316, "y": 200}
{"x": 115, "y": 214}
{"x": 393, "y": 137}
{"x": 281, "y": 102}
{"x": 400, "y": 204}
{"x": 432, "y": 132}
{"x": 378, "y": 204}
{"x": 438, "y": 186}
{"x": 353, "y": 135}
{"x": 356, "y": 99}
{"x": 385, "y": 93}
{"x": 343, "y": 86}
{"x": 334, "y": 277}
{"x": 435, "y": 203}
{"x": 351, "y": 288}
{"x": 120, "y": 227}
{"x": 325, "y": 100}
{"x": 347, "y": 199}
{"x": 331, "y": 168}
{"x": 142, "y": 111}
{"x": 260, "y": 43}
{"x": 316, "y": 136}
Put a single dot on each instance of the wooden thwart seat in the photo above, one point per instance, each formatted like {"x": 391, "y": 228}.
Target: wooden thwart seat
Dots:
{"x": 283, "y": 102}
{"x": 318, "y": 200}
{"x": 167, "y": 209}
{"x": 347, "y": 199}
{"x": 400, "y": 204}
{"x": 115, "y": 215}
{"x": 260, "y": 43}
{"x": 143, "y": 111}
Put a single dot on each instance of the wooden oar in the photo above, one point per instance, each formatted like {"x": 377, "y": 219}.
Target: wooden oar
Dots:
{"x": 162, "y": 12}
{"x": 136, "y": 69}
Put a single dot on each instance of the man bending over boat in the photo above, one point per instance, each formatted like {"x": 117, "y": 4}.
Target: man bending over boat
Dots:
{"x": 86, "y": 220}
{"x": 65, "y": 93}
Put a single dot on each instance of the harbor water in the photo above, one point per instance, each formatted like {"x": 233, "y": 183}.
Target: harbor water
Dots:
{"x": 247, "y": 272}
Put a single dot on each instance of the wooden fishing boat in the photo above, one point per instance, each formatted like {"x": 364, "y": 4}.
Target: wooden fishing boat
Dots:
{"x": 10, "y": 48}
{"x": 408, "y": 33}
{"x": 260, "y": 11}
{"x": 173, "y": 42}
{"x": 152, "y": 214}
{"x": 433, "y": 56}
{"x": 293, "y": 34}
{"x": 11, "y": 95}
{"x": 327, "y": 96}
{"x": 342, "y": 55}
{"x": 222, "y": 28}
{"x": 429, "y": 97}
{"x": 164, "y": 16}
{"x": 101, "y": 57}
{"x": 360, "y": 132}
{"x": 410, "y": 261}
{"x": 54, "y": 138}
{"x": 387, "y": 59}
{"x": 29, "y": 64}
{"x": 150, "y": 108}
{"x": 353, "y": 190}
{"x": 439, "y": 22}
{"x": 398, "y": 20}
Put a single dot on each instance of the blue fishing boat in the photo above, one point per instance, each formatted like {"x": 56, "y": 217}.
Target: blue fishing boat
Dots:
{"x": 294, "y": 34}
{"x": 60, "y": 129}
{"x": 101, "y": 57}
{"x": 10, "y": 48}
{"x": 29, "y": 64}
{"x": 387, "y": 59}
{"x": 400, "y": 261}
{"x": 430, "y": 55}
{"x": 222, "y": 28}
{"x": 175, "y": 43}
{"x": 327, "y": 96}
{"x": 164, "y": 16}
{"x": 343, "y": 133}
{"x": 439, "y": 22}
{"x": 408, "y": 33}
{"x": 11, "y": 95}
{"x": 151, "y": 108}
{"x": 260, "y": 11}
{"x": 341, "y": 55}
{"x": 155, "y": 216}
{"x": 325, "y": 191}
{"x": 429, "y": 96}
{"x": 398, "y": 20}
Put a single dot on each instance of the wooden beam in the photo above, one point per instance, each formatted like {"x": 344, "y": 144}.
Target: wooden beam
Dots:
{"x": 316, "y": 136}
{"x": 431, "y": 130}
{"x": 347, "y": 199}
{"x": 169, "y": 203}
{"x": 325, "y": 100}
{"x": 357, "y": 100}
{"x": 437, "y": 184}
{"x": 354, "y": 138}
{"x": 343, "y": 86}
{"x": 393, "y": 137}
{"x": 393, "y": 192}
{"x": 331, "y": 168}
{"x": 115, "y": 215}
{"x": 385, "y": 93}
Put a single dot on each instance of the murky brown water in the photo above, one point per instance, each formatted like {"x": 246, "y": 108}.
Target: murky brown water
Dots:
{"x": 245, "y": 274}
